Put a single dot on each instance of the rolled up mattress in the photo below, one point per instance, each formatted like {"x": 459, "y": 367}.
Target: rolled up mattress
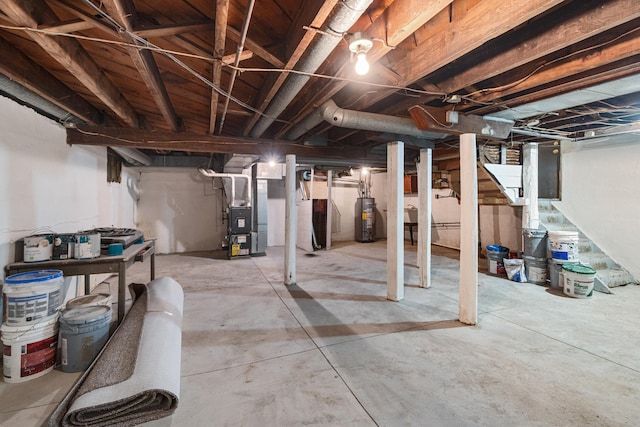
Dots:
{"x": 136, "y": 377}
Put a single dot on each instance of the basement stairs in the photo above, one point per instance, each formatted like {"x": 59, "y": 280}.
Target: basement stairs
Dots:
{"x": 609, "y": 273}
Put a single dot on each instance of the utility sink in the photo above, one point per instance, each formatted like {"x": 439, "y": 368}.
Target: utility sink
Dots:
{"x": 410, "y": 215}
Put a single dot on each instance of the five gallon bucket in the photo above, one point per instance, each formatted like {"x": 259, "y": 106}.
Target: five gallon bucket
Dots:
{"x": 29, "y": 351}
{"x": 556, "y": 275}
{"x": 578, "y": 280}
{"x": 84, "y": 330}
{"x": 563, "y": 245}
{"x": 32, "y": 297}
{"x": 536, "y": 269}
{"x": 495, "y": 256}
{"x": 89, "y": 300}
{"x": 535, "y": 243}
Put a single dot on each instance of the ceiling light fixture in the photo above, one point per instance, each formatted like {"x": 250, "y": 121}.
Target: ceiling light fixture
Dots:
{"x": 359, "y": 47}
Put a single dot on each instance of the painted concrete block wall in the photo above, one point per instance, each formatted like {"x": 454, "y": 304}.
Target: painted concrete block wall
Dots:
{"x": 444, "y": 210}
{"x": 601, "y": 195}
{"x": 181, "y": 209}
{"x": 47, "y": 185}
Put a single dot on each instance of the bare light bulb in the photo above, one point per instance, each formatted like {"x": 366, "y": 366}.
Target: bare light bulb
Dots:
{"x": 362, "y": 66}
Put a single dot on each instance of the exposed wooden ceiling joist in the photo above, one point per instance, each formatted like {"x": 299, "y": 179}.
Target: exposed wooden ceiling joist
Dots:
{"x": 123, "y": 11}
{"x": 71, "y": 55}
{"x": 220, "y": 37}
{"x": 197, "y": 143}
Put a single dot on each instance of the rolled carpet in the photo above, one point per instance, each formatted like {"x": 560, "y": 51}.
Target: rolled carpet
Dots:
{"x": 136, "y": 377}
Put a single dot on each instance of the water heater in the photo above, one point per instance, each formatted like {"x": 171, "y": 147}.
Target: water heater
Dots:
{"x": 365, "y": 219}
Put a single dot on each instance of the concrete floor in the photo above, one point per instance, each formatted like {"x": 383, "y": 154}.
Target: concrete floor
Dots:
{"x": 333, "y": 351}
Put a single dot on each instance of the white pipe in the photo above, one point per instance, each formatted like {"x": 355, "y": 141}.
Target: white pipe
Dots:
{"x": 531, "y": 217}
{"x": 329, "y": 207}
{"x": 424, "y": 216}
{"x": 232, "y": 176}
{"x": 291, "y": 221}
{"x": 468, "y": 302}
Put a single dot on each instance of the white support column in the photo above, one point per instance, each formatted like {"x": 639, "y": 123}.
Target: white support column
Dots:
{"x": 291, "y": 222}
{"x": 531, "y": 216}
{"x": 329, "y": 207}
{"x": 425, "y": 182}
{"x": 395, "y": 221}
{"x": 468, "y": 302}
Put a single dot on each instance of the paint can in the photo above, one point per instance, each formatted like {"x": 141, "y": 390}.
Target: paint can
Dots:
{"x": 32, "y": 297}
{"x": 535, "y": 243}
{"x": 87, "y": 245}
{"x": 578, "y": 280}
{"x": 84, "y": 330}
{"x": 63, "y": 246}
{"x": 556, "y": 275}
{"x": 536, "y": 269}
{"x": 495, "y": 256}
{"x": 90, "y": 300}
{"x": 29, "y": 351}
{"x": 38, "y": 247}
{"x": 563, "y": 245}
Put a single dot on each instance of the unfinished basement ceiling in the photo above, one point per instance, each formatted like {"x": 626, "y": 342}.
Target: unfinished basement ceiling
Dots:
{"x": 196, "y": 77}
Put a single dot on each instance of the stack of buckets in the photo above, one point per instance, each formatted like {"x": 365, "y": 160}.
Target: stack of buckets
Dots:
{"x": 566, "y": 272}
{"x": 30, "y": 323}
{"x": 34, "y": 331}
{"x": 535, "y": 255}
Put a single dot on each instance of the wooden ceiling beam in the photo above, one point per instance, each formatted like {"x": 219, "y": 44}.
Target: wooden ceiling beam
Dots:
{"x": 66, "y": 27}
{"x": 263, "y": 53}
{"x": 70, "y": 54}
{"x": 160, "y": 31}
{"x": 313, "y": 14}
{"x": 583, "y": 63}
{"x": 198, "y": 143}
{"x": 401, "y": 19}
{"x": 572, "y": 30}
{"x": 123, "y": 11}
{"x": 481, "y": 23}
{"x": 32, "y": 76}
{"x": 219, "y": 41}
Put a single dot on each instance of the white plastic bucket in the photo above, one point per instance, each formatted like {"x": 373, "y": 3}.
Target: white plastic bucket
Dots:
{"x": 38, "y": 248}
{"x": 563, "y": 245}
{"x": 32, "y": 296}
{"x": 84, "y": 331}
{"x": 536, "y": 269}
{"x": 578, "y": 280}
{"x": 29, "y": 351}
{"x": 89, "y": 301}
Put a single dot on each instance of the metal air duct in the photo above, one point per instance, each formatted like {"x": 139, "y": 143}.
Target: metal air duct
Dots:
{"x": 360, "y": 120}
{"x": 346, "y": 14}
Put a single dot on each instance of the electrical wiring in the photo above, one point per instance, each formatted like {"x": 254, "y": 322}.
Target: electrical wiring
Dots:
{"x": 546, "y": 64}
{"x": 173, "y": 54}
